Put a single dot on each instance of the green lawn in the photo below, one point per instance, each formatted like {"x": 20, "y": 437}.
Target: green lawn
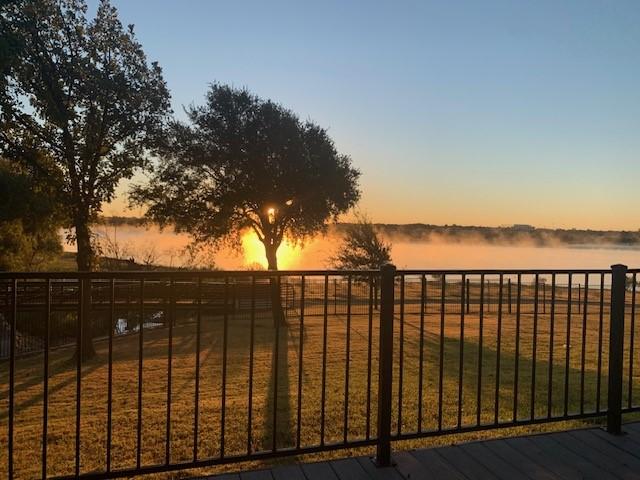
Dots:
{"x": 62, "y": 385}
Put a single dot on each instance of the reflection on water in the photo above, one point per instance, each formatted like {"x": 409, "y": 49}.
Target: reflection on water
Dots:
{"x": 167, "y": 248}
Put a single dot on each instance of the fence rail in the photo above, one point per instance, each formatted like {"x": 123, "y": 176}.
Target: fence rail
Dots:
{"x": 195, "y": 369}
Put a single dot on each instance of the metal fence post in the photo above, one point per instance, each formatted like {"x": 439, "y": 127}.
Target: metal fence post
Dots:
{"x": 579, "y": 298}
{"x": 385, "y": 372}
{"x": 616, "y": 349}
{"x": 468, "y": 296}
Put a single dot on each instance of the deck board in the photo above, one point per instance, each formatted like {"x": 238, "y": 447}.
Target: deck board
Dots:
{"x": 349, "y": 469}
{"x": 589, "y": 453}
{"x": 523, "y": 463}
{"x": 465, "y": 463}
{"x": 288, "y": 472}
{"x": 490, "y": 460}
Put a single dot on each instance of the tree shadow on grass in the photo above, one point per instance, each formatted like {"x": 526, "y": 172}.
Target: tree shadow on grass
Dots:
{"x": 529, "y": 403}
{"x": 278, "y": 397}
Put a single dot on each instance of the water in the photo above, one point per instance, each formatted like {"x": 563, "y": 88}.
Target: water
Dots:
{"x": 167, "y": 248}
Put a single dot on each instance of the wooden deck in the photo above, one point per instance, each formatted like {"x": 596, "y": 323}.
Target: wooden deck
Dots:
{"x": 586, "y": 453}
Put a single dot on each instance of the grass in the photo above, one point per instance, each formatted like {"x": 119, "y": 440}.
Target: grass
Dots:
{"x": 477, "y": 351}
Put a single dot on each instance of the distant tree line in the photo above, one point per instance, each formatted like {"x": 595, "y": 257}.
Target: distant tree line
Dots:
{"x": 540, "y": 237}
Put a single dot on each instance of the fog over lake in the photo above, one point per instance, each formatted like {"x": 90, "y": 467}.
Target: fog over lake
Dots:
{"x": 167, "y": 248}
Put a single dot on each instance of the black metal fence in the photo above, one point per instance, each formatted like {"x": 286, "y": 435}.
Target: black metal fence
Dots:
{"x": 195, "y": 369}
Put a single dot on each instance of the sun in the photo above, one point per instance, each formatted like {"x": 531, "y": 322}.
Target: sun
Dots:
{"x": 253, "y": 251}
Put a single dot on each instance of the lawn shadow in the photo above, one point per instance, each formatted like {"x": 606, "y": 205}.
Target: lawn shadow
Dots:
{"x": 529, "y": 403}
{"x": 278, "y": 397}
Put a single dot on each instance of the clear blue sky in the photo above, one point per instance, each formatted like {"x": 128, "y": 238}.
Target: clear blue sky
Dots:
{"x": 467, "y": 112}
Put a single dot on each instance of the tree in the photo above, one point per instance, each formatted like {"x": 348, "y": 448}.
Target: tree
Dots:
{"x": 242, "y": 163}
{"x": 363, "y": 248}
{"x": 29, "y": 219}
{"x": 245, "y": 163}
{"x": 83, "y": 92}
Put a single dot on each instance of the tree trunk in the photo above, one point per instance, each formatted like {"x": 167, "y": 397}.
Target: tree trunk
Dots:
{"x": 276, "y": 298}
{"x": 85, "y": 261}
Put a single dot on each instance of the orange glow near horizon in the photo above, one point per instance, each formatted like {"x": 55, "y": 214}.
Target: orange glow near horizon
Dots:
{"x": 254, "y": 254}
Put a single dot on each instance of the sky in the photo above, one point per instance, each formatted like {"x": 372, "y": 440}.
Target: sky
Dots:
{"x": 456, "y": 112}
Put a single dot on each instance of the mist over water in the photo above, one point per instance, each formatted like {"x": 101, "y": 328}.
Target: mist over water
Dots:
{"x": 427, "y": 253}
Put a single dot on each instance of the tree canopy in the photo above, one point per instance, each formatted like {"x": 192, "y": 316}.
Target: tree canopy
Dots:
{"x": 83, "y": 91}
{"x": 362, "y": 247}
{"x": 241, "y": 162}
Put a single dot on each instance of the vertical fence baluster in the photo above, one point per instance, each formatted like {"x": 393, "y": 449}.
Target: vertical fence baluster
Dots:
{"x": 140, "y": 363}
{"x": 385, "y": 364}
{"x": 300, "y": 355}
{"x": 369, "y": 346}
{"x": 223, "y": 393}
{"x": 196, "y": 400}
{"x": 425, "y": 285}
{"x": 401, "y": 355}
{"x": 251, "y": 354}
{"x": 480, "y": 334}
{"x": 468, "y": 296}
{"x": 12, "y": 368}
{"x": 443, "y": 292}
{"x": 45, "y": 373}
{"x": 584, "y": 341}
{"x": 172, "y": 320}
{"x": 600, "y": 339}
{"x": 551, "y": 332}
{"x": 616, "y": 349}
{"x": 421, "y": 353}
{"x": 274, "y": 426}
{"x": 567, "y": 348}
{"x": 516, "y": 368}
{"x": 112, "y": 319}
{"x": 631, "y": 339}
{"x": 579, "y": 297}
{"x": 534, "y": 347}
{"x": 498, "y": 351}
{"x": 345, "y": 426}
{"x": 79, "y": 355}
{"x": 463, "y": 299}
{"x": 324, "y": 359}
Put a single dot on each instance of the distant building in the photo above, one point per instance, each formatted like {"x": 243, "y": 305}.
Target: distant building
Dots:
{"x": 523, "y": 227}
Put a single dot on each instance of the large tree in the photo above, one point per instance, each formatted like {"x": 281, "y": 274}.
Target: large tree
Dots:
{"x": 240, "y": 163}
{"x": 83, "y": 91}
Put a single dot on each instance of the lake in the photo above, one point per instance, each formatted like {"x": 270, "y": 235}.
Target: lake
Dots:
{"x": 167, "y": 248}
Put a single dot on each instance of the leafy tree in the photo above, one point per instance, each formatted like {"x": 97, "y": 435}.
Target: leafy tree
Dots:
{"x": 245, "y": 163}
{"x": 29, "y": 219}
{"x": 82, "y": 91}
{"x": 242, "y": 163}
{"x": 363, "y": 248}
